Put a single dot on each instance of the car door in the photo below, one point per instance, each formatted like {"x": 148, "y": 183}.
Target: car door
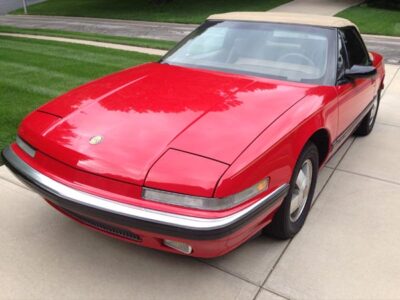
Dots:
{"x": 353, "y": 95}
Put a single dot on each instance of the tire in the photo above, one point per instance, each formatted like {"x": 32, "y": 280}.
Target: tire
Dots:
{"x": 368, "y": 122}
{"x": 285, "y": 224}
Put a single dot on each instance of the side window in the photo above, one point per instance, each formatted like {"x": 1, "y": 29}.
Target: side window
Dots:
{"x": 356, "y": 52}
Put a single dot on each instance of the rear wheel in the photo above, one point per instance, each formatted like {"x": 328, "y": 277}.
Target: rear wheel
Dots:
{"x": 367, "y": 124}
{"x": 293, "y": 212}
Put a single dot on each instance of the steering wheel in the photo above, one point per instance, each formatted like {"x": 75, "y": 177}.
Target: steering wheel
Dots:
{"x": 297, "y": 55}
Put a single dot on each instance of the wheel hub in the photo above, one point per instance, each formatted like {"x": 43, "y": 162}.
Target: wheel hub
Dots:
{"x": 301, "y": 190}
{"x": 373, "y": 112}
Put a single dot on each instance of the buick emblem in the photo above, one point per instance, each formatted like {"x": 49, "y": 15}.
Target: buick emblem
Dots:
{"x": 94, "y": 140}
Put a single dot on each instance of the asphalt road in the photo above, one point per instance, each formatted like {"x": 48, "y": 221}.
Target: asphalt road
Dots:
{"x": 154, "y": 30}
{"x": 389, "y": 47}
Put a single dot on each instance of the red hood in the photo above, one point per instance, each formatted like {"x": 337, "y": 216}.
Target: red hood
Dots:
{"x": 141, "y": 112}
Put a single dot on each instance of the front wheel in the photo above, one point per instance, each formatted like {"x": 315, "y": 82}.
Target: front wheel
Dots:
{"x": 294, "y": 210}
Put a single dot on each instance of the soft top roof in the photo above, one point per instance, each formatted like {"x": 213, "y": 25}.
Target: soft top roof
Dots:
{"x": 288, "y": 18}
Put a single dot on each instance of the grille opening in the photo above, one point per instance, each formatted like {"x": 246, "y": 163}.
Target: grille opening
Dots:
{"x": 123, "y": 233}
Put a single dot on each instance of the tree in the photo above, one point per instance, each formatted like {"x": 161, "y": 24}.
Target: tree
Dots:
{"x": 159, "y": 2}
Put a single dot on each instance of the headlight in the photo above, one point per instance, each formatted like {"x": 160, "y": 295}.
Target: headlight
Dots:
{"x": 203, "y": 202}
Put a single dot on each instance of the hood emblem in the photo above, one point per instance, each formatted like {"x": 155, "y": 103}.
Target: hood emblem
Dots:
{"x": 94, "y": 140}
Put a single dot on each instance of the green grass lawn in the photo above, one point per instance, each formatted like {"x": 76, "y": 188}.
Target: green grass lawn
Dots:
{"x": 374, "y": 20}
{"x": 141, "y": 42}
{"x": 182, "y": 11}
{"x": 33, "y": 72}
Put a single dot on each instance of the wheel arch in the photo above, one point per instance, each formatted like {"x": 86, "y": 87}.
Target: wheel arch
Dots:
{"x": 321, "y": 138}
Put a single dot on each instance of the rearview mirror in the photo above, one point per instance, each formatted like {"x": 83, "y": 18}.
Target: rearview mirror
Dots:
{"x": 358, "y": 71}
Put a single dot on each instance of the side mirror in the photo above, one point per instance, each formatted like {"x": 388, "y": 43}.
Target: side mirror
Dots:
{"x": 357, "y": 71}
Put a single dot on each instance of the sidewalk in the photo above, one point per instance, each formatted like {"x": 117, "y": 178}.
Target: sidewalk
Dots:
{"x": 317, "y": 7}
{"x": 388, "y": 46}
{"x": 348, "y": 248}
{"x": 89, "y": 43}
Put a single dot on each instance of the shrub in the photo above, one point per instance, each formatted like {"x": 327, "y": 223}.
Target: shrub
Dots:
{"x": 391, "y": 4}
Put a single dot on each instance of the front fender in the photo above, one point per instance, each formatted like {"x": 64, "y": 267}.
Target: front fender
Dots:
{"x": 275, "y": 152}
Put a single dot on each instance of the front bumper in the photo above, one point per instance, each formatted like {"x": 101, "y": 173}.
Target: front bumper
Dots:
{"x": 80, "y": 203}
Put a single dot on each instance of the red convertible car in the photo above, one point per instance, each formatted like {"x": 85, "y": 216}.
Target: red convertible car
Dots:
{"x": 219, "y": 140}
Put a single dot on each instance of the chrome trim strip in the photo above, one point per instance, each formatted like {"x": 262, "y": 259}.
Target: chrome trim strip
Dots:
{"x": 86, "y": 199}
{"x": 352, "y": 127}
{"x": 25, "y": 147}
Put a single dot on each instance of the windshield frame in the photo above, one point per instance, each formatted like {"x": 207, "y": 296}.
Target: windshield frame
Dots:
{"x": 329, "y": 77}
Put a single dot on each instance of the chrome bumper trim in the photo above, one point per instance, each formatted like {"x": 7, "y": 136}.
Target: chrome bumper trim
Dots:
{"x": 40, "y": 182}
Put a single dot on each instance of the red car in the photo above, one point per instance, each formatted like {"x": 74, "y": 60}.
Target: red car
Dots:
{"x": 219, "y": 140}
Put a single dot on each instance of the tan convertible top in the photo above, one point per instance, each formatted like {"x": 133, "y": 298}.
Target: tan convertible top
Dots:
{"x": 288, "y": 18}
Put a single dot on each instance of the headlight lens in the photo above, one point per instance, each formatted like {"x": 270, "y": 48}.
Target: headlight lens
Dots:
{"x": 205, "y": 203}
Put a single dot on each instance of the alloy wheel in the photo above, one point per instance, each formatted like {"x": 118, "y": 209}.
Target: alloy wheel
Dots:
{"x": 301, "y": 190}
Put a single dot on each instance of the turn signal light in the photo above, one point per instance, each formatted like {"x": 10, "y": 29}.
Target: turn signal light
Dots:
{"x": 203, "y": 202}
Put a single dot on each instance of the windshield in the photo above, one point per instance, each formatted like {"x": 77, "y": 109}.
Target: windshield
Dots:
{"x": 282, "y": 51}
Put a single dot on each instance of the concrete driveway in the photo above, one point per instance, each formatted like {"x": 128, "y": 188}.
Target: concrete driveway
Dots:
{"x": 348, "y": 248}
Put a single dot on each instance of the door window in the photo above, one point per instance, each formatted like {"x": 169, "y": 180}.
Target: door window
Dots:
{"x": 357, "y": 54}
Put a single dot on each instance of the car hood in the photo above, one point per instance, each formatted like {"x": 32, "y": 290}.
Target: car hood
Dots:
{"x": 139, "y": 113}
